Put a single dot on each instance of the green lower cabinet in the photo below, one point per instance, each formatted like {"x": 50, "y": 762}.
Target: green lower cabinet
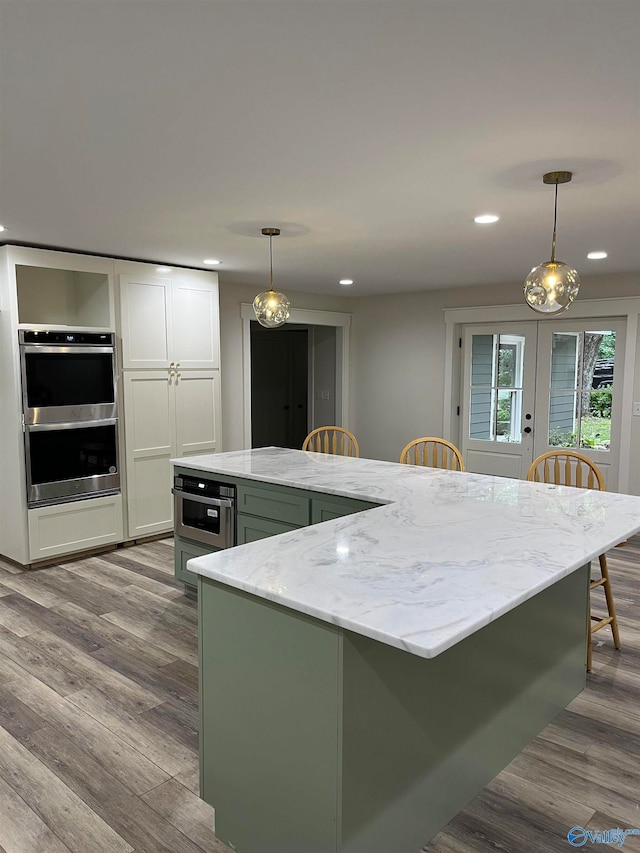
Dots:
{"x": 250, "y": 528}
{"x": 279, "y": 503}
{"x": 266, "y": 509}
{"x": 186, "y": 550}
{"x": 326, "y": 508}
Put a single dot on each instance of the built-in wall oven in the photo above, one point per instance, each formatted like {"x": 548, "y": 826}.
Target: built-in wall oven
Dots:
{"x": 70, "y": 415}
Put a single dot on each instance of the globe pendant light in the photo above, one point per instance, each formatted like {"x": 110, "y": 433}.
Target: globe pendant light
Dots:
{"x": 272, "y": 308}
{"x": 551, "y": 287}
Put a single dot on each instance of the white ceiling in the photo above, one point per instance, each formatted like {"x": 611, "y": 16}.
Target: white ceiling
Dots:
{"x": 370, "y": 132}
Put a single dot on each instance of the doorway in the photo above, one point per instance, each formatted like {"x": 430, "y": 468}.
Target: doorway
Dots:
{"x": 279, "y": 387}
{"x": 293, "y": 383}
{"x": 328, "y": 365}
{"x": 537, "y": 386}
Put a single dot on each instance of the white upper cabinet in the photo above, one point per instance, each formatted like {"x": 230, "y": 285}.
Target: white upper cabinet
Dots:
{"x": 169, "y": 322}
{"x": 147, "y": 334}
{"x": 195, "y": 324}
{"x": 60, "y": 290}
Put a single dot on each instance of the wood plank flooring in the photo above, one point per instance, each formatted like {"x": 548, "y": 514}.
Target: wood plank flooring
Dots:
{"x": 99, "y": 722}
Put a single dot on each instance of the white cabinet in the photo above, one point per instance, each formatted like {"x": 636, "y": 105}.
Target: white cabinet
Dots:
{"x": 76, "y": 526}
{"x": 167, "y": 327}
{"x": 46, "y": 289}
{"x": 170, "y": 357}
{"x": 60, "y": 289}
{"x": 169, "y": 322}
{"x": 165, "y": 417}
{"x": 196, "y": 404}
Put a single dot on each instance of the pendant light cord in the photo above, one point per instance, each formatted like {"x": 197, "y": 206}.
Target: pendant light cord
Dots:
{"x": 271, "y": 258}
{"x": 555, "y": 217}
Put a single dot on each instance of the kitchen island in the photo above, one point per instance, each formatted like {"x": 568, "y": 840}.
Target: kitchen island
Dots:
{"x": 362, "y": 678}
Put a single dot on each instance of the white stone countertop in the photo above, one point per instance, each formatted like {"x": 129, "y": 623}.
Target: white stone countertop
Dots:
{"x": 446, "y": 554}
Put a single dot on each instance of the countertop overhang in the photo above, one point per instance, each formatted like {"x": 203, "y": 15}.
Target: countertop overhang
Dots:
{"x": 443, "y": 555}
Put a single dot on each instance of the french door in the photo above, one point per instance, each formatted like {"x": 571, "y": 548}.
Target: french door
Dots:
{"x": 542, "y": 385}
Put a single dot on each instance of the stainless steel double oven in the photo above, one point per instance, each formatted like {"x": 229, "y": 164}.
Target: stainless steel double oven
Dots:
{"x": 70, "y": 415}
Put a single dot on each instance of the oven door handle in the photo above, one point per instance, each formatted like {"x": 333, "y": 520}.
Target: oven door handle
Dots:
{"x": 40, "y": 349}
{"x": 71, "y": 425}
{"x": 202, "y": 499}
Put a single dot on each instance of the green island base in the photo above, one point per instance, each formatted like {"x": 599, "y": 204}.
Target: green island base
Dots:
{"x": 315, "y": 739}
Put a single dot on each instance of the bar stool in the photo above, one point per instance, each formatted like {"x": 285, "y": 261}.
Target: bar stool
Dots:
{"x": 332, "y": 439}
{"x": 569, "y": 468}
{"x": 432, "y": 453}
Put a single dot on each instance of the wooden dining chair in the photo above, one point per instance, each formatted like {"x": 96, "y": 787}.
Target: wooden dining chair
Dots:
{"x": 569, "y": 468}
{"x": 432, "y": 453}
{"x": 332, "y": 439}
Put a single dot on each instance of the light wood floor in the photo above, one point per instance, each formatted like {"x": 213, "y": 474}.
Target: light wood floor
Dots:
{"x": 98, "y": 722}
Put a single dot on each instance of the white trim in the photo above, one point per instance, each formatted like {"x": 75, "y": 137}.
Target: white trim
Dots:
{"x": 449, "y": 384}
{"x": 628, "y": 308}
{"x": 309, "y": 317}
{"x": 627, "y": 401}
{"x": 510, "y": 313}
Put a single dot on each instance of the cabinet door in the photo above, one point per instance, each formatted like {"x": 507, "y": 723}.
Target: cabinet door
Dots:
{"x": 186, "y": 550}
{"x": 195, "y": 324}
{"x": 149, "y": 418}
{"x": 75, "y": 526}
{"x": 197, "y": 411}
{"x": 277, "y": 502}
{"x": 147, "y": 330}
{"x": 250, "y": 528}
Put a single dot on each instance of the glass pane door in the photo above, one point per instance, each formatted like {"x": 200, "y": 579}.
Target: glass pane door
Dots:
{"x": 578, "y": 393}
{"x": 537, "y": 386}
{"x": 498, "y": 407}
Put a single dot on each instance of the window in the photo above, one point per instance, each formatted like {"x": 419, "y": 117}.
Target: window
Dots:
{"x": 495, "y": 412}
{"x": 580, "y": 389}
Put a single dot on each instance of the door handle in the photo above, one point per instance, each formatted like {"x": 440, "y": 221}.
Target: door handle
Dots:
{"x": 286, "y": 408}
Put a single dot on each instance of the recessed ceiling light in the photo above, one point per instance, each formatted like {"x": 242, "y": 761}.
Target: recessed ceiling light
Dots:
{"x": 486, "y": 219}
{"x": 163, "y": 269}
{"x": 212, "y": 262}
{"x": 596, "y": 256}
{"x": 2, "y": 228}
{"x": 346, "y": 281}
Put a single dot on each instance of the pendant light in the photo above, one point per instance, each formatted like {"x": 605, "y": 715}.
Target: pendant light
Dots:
{"x": 551, "y": 287}
{"x": 272, "y": 308}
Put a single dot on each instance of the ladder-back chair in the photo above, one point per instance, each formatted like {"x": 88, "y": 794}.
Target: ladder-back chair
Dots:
{"x": 569, "y": 468}
{"x": 332, "y": 439}
{"x": 432, "y": 453}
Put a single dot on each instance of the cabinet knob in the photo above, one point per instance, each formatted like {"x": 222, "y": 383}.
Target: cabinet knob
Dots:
{"x": 172, "y": 365}
{"x": 177, "y": 364}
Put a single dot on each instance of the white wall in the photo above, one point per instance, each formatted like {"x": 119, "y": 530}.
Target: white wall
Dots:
{"x": 231, "y": 297}
{"x": 397, "y": 358}
{"x": 398, "y": 355}
{"x": 324, "y": 375}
